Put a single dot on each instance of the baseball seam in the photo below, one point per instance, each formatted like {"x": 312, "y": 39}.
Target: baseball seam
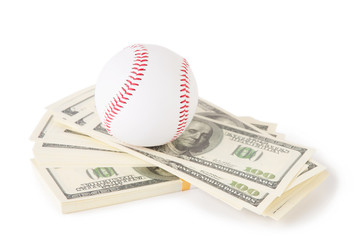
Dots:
{"x": 184, "y": 99}
{"x": 131, "y": 83}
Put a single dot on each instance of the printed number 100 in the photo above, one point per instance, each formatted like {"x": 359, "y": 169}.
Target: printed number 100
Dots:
{"x": 258, "y": 172}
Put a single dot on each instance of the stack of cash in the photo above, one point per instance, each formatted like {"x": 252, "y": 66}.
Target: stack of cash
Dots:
{"x": 238, "y": 160}
{"x": 84, "y": 173}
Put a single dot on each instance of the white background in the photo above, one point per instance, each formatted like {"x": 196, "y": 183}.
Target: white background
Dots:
{"x": 294, "y": 63}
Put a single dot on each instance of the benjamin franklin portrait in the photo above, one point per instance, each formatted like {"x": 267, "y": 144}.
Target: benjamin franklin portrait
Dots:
{"x": 199, "y": 136}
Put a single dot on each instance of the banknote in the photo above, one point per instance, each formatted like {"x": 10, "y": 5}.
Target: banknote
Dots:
{"x": 210, "y": 110}
{"x": 237, "y": 193}
{"x": 79, "y": 188}
{"x": 240, "y": 153}
{"x": 311, "y": 167}
{"x": 58, "y": 145}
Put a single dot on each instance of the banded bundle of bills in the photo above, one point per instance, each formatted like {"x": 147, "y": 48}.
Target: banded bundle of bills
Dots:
{"x": 84, "y": 173}
{"x": 239, "y": 160}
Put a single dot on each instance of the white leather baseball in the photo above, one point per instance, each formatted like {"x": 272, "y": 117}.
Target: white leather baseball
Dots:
{"x": 146, "y": 95}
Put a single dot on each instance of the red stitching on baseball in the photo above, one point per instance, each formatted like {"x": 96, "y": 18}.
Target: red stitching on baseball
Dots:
{"x": 120, "y": 100}
{"x": 184, "y": 90}
{"x": 108, "y": 117}
{"x": 131, "y": 83}
{"x": 129, "y": 88}
{"x": 184, "y": 70}
{"x": 181, "y": 125}
{"x": 134, "y": 78}
{"x": 114, "y": 108}
{"x": 139, "y": 69}
{"x": 140, "y": 65}
{"x": 117, "y": 102}
{"x": 183, "y": 114}
{"x": 141, "y": 60}
{"x": 125, "y": 91}
{"x": 137, "y": 74}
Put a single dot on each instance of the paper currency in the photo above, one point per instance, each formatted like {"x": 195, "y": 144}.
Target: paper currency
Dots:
{"x": 240, "y": 164}
{"x": 79, "y": 189}
{"x": 209, "y": 110}
{"x": 84, "y": 173}
{"x": 57, "y": 145}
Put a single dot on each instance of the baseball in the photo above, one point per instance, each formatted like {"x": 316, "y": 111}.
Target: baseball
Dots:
{"x": 146, "y": 95}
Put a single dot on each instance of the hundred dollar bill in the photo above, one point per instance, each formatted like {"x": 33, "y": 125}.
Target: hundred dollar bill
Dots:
{"x": 310, "y": 169}
{"x": 309, "y": 177}
{"x": 78, "y": 108}
{"x": 238, "y": 193}
{"x": 210, "y": 110}
{"x": 57, "y": 145}
{"x": 84, "y": 188}
{"x": 262, "y": 162}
